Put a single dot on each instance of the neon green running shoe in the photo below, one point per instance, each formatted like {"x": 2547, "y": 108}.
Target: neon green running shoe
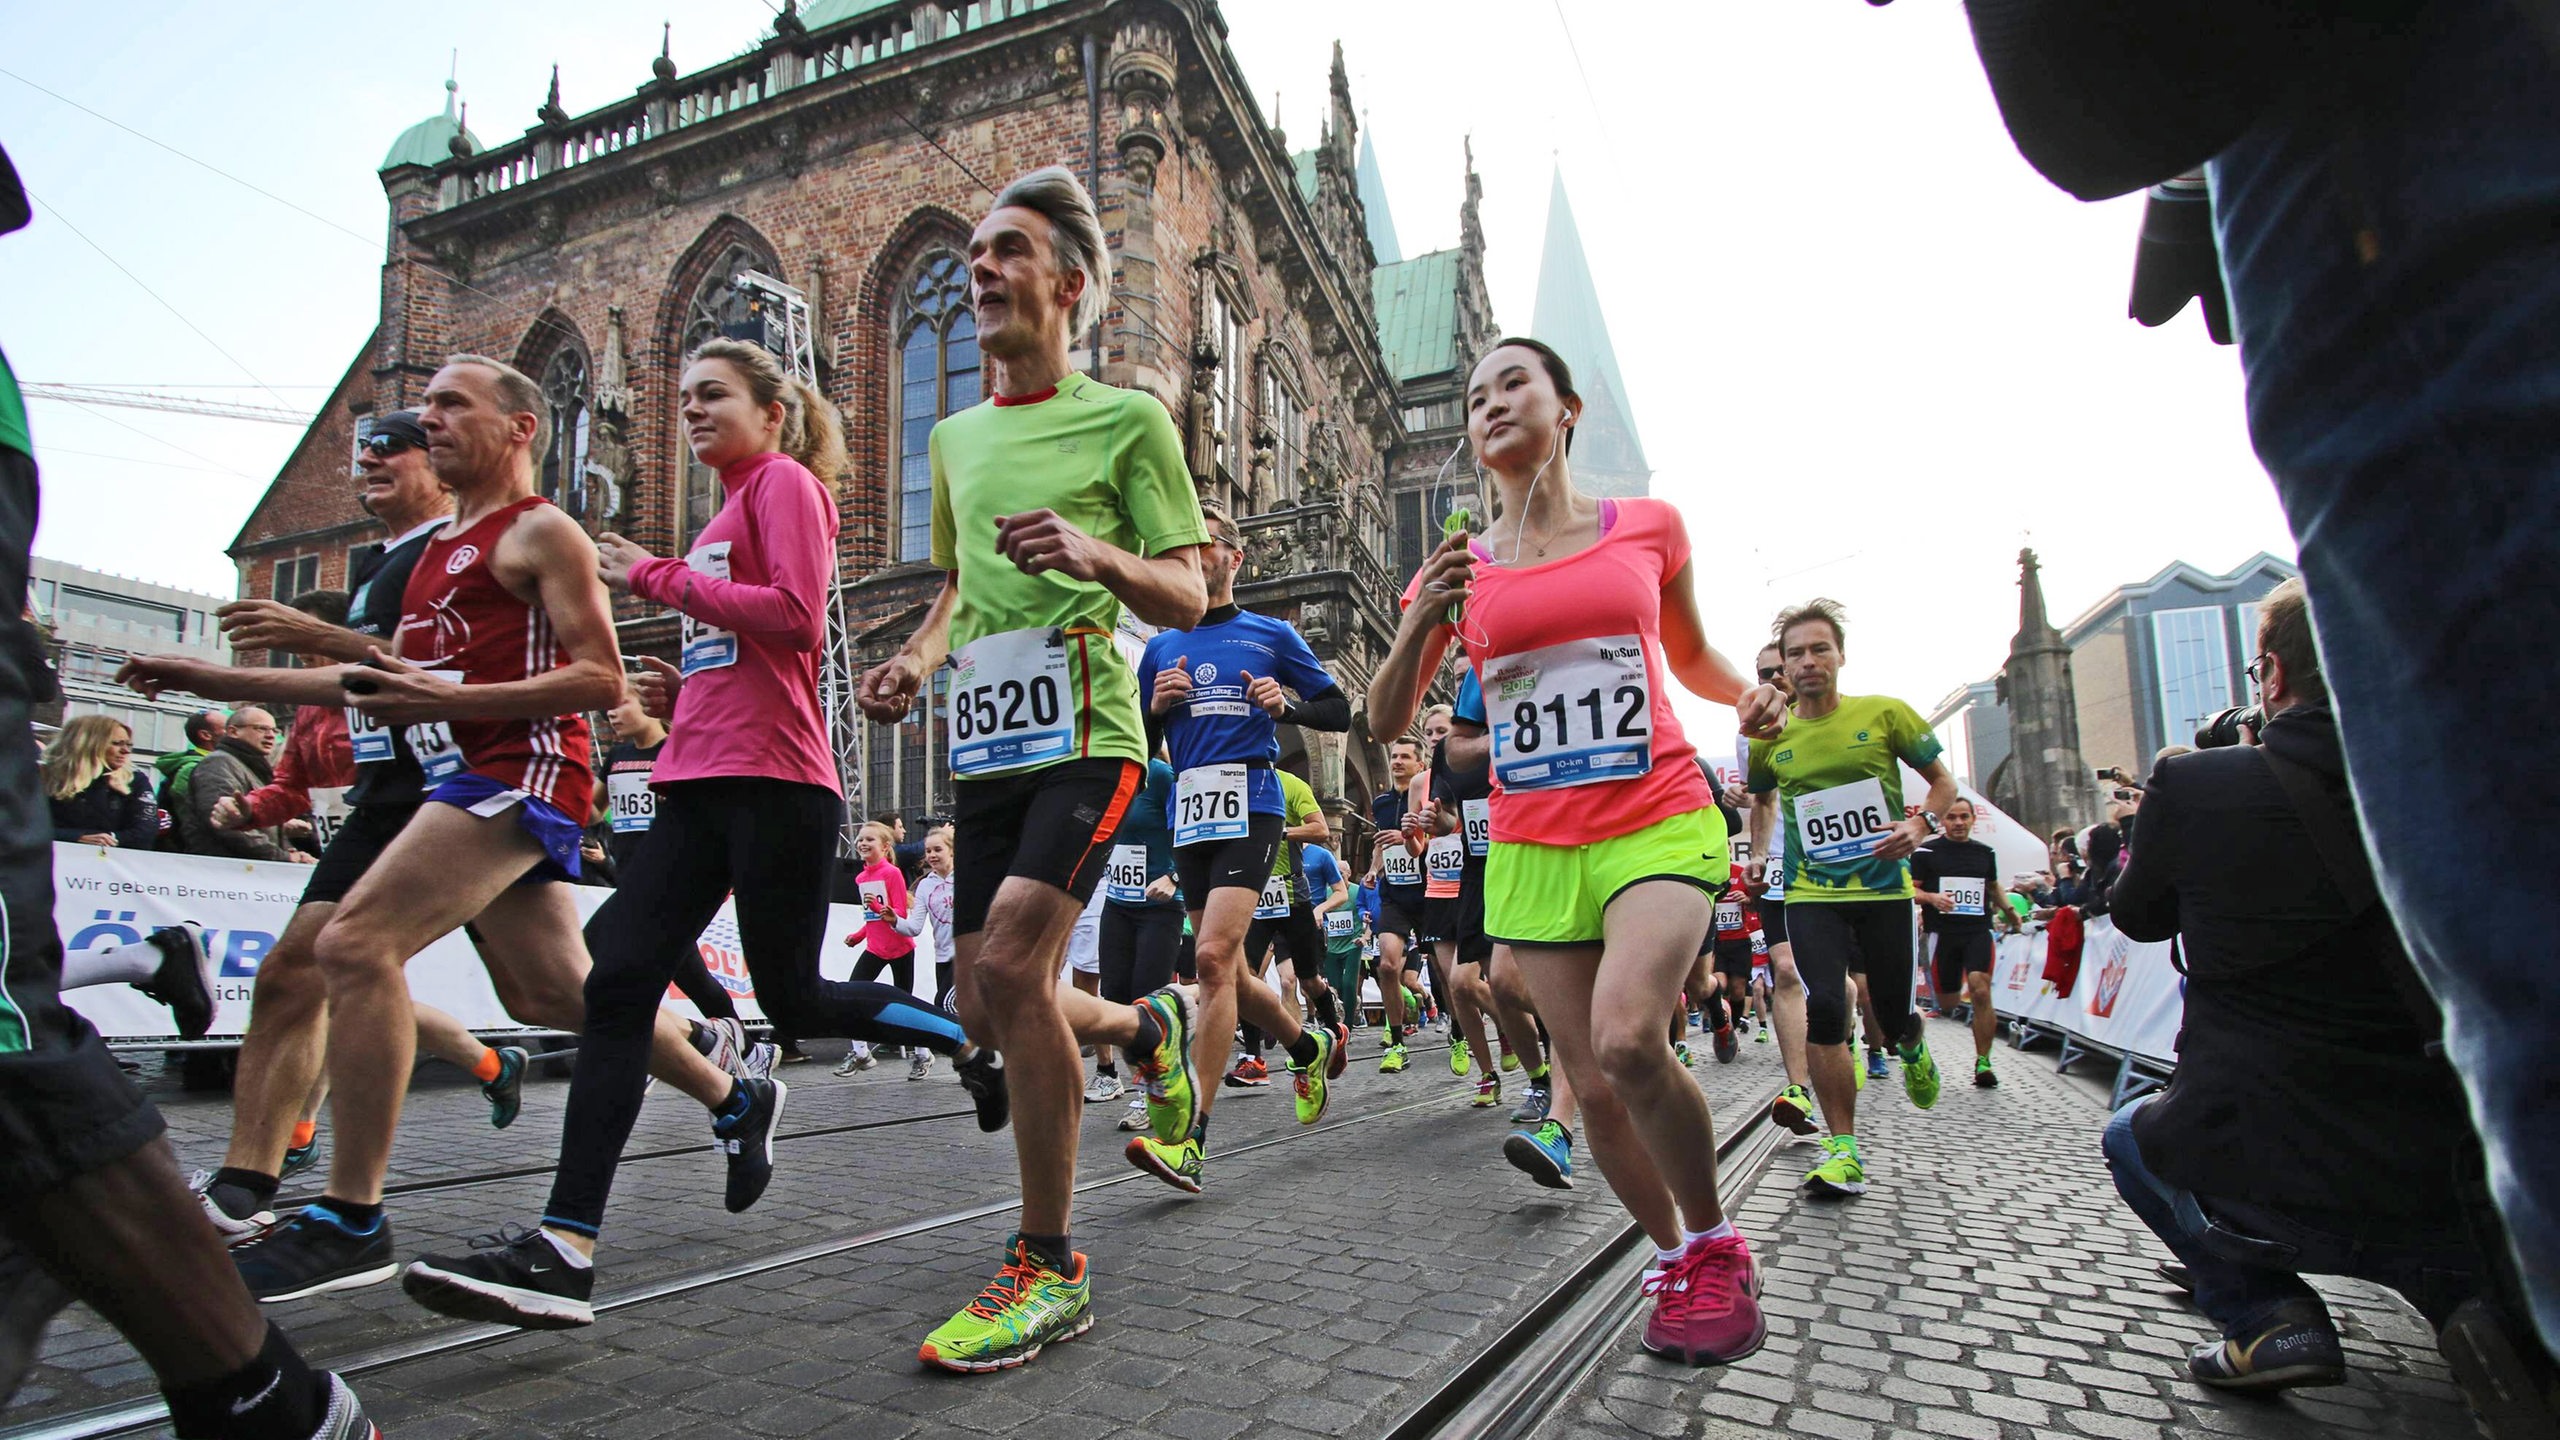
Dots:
{"x": 1793, "y": 1110}
{"x": 1173, "y": 1091}
{"x": 1028, "y": 1305}
{"x": 1176, "y": 1165}
{"x": 1680, "y": 1052}
{"x": 1840, "y": 1172}
{"x": 1857, "y": 1069}
{"x": 1393, "y": 1060}
{"x": 1315, "y": 1091}
{"x": 1920, "y": 1075}
{"x": 1509, "y": 1060}
{"x": 1459, "y": 1058}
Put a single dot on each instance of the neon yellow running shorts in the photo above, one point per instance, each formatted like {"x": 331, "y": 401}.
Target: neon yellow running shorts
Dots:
{"x": 1554, "y": 894}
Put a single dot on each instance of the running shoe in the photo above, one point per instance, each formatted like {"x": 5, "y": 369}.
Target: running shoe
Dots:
{"x": 1176, "y": 1165}
{"x": 1535, "y": 1098}
{"x": 1509, "y": 1060}
{"x": 506, "y": 1093}
{"x": 1460, "y": 1058}
{"x": 1249, "y": 1073}
{"x": 1983, "y": 1079}
{"x": 1920, "y": 1075}
{"x": 29, "y": 1299}
{"x": 184, "y": 981}
{"x": 1760, "y": 1036}
{"x": 1857, "y": 1071}
{"x": 1167, "y": 1074}
{"x": 235, "y": 1229}
{"x": 516, "y": 1277}
{"x": 1697, "y": 1020}
{"x": 758, "y": 1061}
{"x": 1103, "y": 1089}
{"x": 1728, "y": 1045}
{"x": 300, "y": 1159}
{"x": 1136, "y": 1118}
{"x": 747, "y": 1139}
{"x": 728, "y": 1043}
{"x": 792, "y": 1054}
{"x": 2294, "y": 1347}
{"x": 920, "y": 1067}
{"x": 346, "y": 1419}
{"x": 856, "y": 1058}
{"x": 1392, "y": 1061}
{"x": 1793, "y": 1110}
{"x": 1028, "y": 1305}
{"x": 1545, "y": 1154}
{"x": 1488, "y": 1091}
{"x": 1314, "y": 1081}
{"x": 1680, "y": 1048}
{"x": 981, "y": 1073}
{"x": 1340, "y": 1058}
{"x": 1876, "y": 1068}
{"x": 2176, "y": 1274}
{"x": 1706, "y": 1305}
{"x": 1840, "y": 1172}
{"x": 313, "y": 1252}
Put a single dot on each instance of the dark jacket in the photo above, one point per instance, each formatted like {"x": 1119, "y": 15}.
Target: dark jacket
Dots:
{"x": 129, "y": 815}
{"x": 2303, "y": 1082}
{"x": 234, "y": 768}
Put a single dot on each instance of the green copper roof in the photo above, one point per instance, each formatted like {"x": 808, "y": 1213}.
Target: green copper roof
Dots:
{"x": 819, "y": 14}
{"x": 1305, "y": 161}
{"x": 1568, "y": 317}
{"x": 1417, "y": 304}
{"x": 430, "y": 141}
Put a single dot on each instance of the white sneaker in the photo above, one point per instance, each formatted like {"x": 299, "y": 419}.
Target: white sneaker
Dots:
{"x": 758, "y": 1062}
{"x": 728, "y": 1044}
{"x": 919, "y": 1064}
{"x": 1136, "y": 1119}
{"x": 1103, "y": 1088}
{"x": 857, "y": 1058}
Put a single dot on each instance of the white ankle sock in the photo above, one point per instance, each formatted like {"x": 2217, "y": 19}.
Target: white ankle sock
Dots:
{"x": 1724, "y": 1231}
{"x": 569, "y": 1252}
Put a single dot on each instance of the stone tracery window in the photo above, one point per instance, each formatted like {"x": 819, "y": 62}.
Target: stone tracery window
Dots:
{"x": 566, "y": 395}
{"x": 715, "y": 310}
{"x": 939, "y": 374}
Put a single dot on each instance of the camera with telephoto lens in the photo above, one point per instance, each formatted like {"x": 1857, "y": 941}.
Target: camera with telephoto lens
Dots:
{"x": 2224, "y": 729}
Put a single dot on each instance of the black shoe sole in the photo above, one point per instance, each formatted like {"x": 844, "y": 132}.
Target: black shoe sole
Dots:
{"x": 2286, "y": 1377}
{"x": 1529, "y": 1160}
{"x": 465, "y": 1298}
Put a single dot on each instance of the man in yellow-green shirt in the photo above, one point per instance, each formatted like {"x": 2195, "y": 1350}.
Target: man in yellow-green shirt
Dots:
{"x": 1836, "y": 771}
{"x": 1056, "y": 504}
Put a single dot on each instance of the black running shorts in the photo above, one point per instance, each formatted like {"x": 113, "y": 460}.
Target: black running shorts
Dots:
{"x": 1053, "y": 825}
{"x": 1773, "y": 923}
{"x": 1836, "y": 939}
{"x": 368, "y": 831}
{"x": 1733, "y": 957}
{"x": 1955, "y": 954}
{"x": 1400, "y": 911}
{"x": 1243, "y": 863}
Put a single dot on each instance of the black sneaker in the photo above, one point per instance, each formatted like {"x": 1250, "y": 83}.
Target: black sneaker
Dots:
{"x": 235, "y": 1216}
{"x": 982, "y": 1075}
{"x": 506, "y": 1093}
{"x": 515, "y": 1277}
{"x": 2176, "y": 1274}
{"x": 184, "y": 981}
{"x": 29, "y": 1299}
{"x": 2297, "y": 1346}
{"x": 311, "y": 1253}
{"x": 748, "y": 1141}
{"x": 346, "y": 1418}
{"x": 300, "y": 1160}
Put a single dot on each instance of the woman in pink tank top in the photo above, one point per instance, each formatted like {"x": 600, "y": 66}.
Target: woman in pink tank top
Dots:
{"x": 1577, "y": 616}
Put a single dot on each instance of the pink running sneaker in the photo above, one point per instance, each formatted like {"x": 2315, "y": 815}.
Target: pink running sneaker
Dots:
{"x": 1706, "y": 1307}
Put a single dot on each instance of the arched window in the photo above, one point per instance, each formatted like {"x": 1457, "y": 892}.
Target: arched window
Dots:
{"x": 716, "y": 310}
{"x": 938, "y": 374}
{"x": 564, "y": 461}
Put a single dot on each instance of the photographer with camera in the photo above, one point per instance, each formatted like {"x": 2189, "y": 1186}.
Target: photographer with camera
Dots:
{"x": 2309, "y": 1128}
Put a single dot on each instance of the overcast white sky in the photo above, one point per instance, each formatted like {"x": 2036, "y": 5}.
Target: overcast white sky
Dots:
{"x": 1871, "y": 352}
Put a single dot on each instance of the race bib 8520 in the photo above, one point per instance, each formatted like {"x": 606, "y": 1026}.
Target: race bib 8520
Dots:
{"x": 1009, "y": 702}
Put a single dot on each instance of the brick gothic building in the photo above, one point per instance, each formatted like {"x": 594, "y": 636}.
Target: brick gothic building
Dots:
{"x": 1314, "y": 388}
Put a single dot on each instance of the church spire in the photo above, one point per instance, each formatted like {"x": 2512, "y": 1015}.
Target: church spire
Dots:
{"x": 1608, "y": 458}
{"x": 2044, "y": 782}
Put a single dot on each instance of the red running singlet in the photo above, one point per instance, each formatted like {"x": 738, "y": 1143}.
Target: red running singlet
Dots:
{"x": 458, "y": 619}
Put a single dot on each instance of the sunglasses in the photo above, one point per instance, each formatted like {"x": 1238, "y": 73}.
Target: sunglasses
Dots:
{"x": 383, "y": 447}
{"x": 1772, "y": 673}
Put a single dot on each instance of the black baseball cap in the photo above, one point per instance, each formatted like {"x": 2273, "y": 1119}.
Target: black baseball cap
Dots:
{"x": 401, "y": 425}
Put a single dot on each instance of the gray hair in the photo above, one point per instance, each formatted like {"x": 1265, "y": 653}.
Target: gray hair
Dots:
{"x": 517, "y": 394}
{"x": 1075, "y": 233}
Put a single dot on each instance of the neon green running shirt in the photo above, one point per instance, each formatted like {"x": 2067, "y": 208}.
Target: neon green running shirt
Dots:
{"x": 1839, "y": 783}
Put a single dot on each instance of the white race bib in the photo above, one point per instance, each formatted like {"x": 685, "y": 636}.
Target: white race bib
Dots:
{"x": 1402, "y": 867}
{"x": 875, "y": 898}
{"x": 1843, "y": 824}
{"x": 635, "y": 805}
{"x": 1124, "y": 878}
{"x": 1446, "y": 858}
{"x": 1579, "y": 713}
{"x": 1274, "y": 901}
{"x": 1478, "y": 818}
{"x": 1209, "y": 804}
{"x": 1009, "y": 702}
{"x": 329, "y": 810}
{"x": 439, "y": 754}
{"x": 1728, "y": 916}
{"x": 1966, "y": 893}
{"x": 704, "y": 646}
{"x": 1340, "y": 924}
{"x": 369, "y": 738}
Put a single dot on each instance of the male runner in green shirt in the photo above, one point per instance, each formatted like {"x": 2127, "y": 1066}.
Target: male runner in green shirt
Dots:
{"x": 1055, "y": 503}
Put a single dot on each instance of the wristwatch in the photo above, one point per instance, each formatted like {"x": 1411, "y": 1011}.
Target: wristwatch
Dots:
{"x": 1932, "y": 822}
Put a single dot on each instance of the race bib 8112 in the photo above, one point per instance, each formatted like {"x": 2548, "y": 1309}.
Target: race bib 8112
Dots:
{"x": 1579, "y": 713}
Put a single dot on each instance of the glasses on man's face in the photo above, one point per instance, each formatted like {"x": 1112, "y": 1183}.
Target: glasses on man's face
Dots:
{"x": 1770, "y": 672}
{"x": 2256, "y": 670}
{"x": 383, "y": 447}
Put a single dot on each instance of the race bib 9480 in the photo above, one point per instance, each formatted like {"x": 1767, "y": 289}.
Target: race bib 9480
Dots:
{"x": 1579, "y": 713}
